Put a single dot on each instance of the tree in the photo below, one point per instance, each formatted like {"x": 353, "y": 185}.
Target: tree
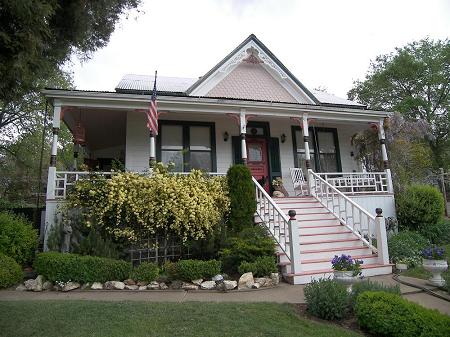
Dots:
{"x": 415, "y": 81}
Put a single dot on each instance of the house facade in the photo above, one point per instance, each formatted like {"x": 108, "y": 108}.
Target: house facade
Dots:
{"x": 249, "y": 109}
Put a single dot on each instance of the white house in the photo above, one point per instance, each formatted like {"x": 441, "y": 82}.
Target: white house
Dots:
{"x": 249, "y": 108}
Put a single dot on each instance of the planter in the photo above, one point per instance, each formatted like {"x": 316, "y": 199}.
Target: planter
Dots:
{"x": 436, "y": 267}
{"x": 346, "y": 277}
{"x": 401, "y": 267}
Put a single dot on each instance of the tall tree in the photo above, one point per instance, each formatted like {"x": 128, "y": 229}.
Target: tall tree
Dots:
{"x": 415, "y": 81}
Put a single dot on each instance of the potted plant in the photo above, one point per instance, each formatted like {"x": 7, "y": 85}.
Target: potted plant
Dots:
{"x": 401, "y": 265}
{"x": 279, "y": 190}
{"x": 346, "y": 269}
{"x": 434, "y": 262}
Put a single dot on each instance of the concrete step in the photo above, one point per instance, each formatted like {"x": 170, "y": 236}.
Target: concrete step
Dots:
{"x": 329, "y": 253}
{"x": 319, "y": 221}
{"x": 314, "y": 216}
{"x": 322, "y": 229}
{"x": 325, "y": 243}
{"x": 338, "y": 235}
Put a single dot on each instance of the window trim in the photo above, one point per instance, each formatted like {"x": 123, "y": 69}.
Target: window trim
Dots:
{"x": 186, "y": 141}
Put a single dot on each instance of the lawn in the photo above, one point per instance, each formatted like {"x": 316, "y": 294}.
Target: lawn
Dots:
{"x": 94, "y": 318}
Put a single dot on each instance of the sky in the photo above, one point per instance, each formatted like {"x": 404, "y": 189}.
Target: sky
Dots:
{"x": 324, "y": 43}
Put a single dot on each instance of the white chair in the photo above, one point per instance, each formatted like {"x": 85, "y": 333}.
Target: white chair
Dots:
{"x": 299, "y": 182}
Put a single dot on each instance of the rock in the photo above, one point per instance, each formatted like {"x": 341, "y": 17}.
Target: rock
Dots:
{"x": 70, "y": 286}
{"x": 176, "y": 284}
{"x": 85, "y": 286}
{"x": 256, "y": 285}
{"x": 47, "y": 285}
{"x": 208, "y": 285}
{"x": 141, "y": 283}
{"x": 275, "y": 277}
{"x": 261, "y": 281}
{"x": 218, "y": 277}
{"x": 230, "y": 285}
{"x": 153, "y": 285}
{"x": 189, "y": 286}
{"x": 97, "y": 286}
{"x": 129, "y": 282}
{"x": 39, "y": 283}
{"x": 114, "y": 285}
{"x": 33, "y": 285}
{"x": 197, "y": 282}
{"x": 163, "y": 286}
{"x": 246, "y": 281}
{"x": 21, "y": 287}
{"x": 131, "y": 287}
{"x": 142, "y": 288}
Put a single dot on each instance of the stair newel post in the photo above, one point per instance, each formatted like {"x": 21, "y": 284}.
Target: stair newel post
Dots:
{"x": 294, "y": 243}
{"x": 382, "y": 245}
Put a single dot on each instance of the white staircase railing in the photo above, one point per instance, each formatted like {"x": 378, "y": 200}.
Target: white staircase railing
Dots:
{"x": 275, "y": 220}
{"x": 352, "y": 215}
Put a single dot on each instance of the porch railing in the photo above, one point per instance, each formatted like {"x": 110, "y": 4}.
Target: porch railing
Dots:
{"x": 357, "y": 182}
{"x": 352, "y": 215}
{"x": 275, "y": 220}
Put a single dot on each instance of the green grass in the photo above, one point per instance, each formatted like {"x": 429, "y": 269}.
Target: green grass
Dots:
{"x": 94, "y": 318}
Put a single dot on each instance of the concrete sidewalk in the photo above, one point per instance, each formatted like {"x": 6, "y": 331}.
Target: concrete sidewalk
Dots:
{"x": 284, "y": 293}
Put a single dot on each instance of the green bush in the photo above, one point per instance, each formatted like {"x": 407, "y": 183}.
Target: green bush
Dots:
{"x": 18, "y": 239}
{"x": 95, "y": 245}
{"x": 170, "y": 270}
{"x": 438, "y": 233}
{"x": 242, "y": 197}
{"x": 367, "y": 285}
{"x": 419, "y": 206}
{"x": 189, "y": 270}
{"x": 63, "y": 267}
{"x": 261, "y": 267}
{"x": 406, "y": 247}
{"x": 10, "y": 271}
{"x": 384, "y": 314}
{"x": 250, "y": 244}
{"x": 446, "y": 276}
{"x": 327, "y": 299}
{"x": 146, "y": 271}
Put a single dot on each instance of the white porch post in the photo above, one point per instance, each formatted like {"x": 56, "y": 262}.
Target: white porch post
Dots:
{"x": 243, "y": 131}
{"x": 294, "y": 243}
{"x": 382, "y": 138}
{"x": 382, "y": 245}
{"x": 52, "y": 168}
{"x": 152, "y": 149}
{"x": 307, "y": 153}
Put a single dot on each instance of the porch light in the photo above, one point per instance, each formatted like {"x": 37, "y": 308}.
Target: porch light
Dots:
{"x": 225, "y": 136}
{"x": 283, "y": 138}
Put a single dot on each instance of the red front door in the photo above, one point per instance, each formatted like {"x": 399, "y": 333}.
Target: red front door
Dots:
{"x": 257, "y": 160}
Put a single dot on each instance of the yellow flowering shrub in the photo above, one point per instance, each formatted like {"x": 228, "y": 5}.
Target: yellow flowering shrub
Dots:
{"x": 129, "y": 204}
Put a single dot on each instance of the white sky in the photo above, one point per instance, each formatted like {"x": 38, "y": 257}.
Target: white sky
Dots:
{"x": 323, "y": 43}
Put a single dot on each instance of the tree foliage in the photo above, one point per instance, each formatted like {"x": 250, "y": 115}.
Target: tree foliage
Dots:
{"x": 415, "y": 81}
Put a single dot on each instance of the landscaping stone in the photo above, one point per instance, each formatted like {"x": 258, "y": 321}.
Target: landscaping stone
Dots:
{"x": 34, "y": 285}
{"x": 70, "y": 286}
{"x": 176, "y": 284}
{"x": 114, "y": 285}
{"x": 97, "y": 286}
{"x": 261, "y": 281}
{"x": 131, "y": 287}
{"x": 208, "y": 285}
{"x": 230, "y": 285}
{"x": 217, "y": 277}
{"x": 153, "y": 285}
{"x": 163, "y": 286}
{"x": 129, "y": 282}
{"x": 47, "y": 285}
{"x": 189, "y": 286}
{"x": 142, "y": 288}
{"x": 85, "y": 286}
{"x": 21, "y": 287}
{"x": 275, "y": 277}
{"x": 246, "y": 281}
{"x": 197, "y": 282}
{"x": 141, "y": 283}
{"x": 256, "y": 285}
{"x": 39, "y": 282}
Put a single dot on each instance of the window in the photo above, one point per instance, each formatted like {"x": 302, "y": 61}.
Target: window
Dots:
{"x": 187, "y": 145}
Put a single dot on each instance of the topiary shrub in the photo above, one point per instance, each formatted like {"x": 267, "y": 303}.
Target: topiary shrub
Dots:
{"x": 189, "y": 270}
{"x": 385, "y": 314}
{"x": 262, "y": 266}
{"x": 146, "y": 271}
{"x": 10, "y": 271}
{"x": 63, "y": 267}
{"x": 419, "y": 207}
{"x": 242, "y": 197}
{"x": 18, "y": 239}
{"x": 368, "y": 285}
{"x": 406, "y": 247}
{"x": 327, "y": 299}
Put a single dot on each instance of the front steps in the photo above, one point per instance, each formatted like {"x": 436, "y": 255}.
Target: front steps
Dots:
{"x": 322, "y": 236}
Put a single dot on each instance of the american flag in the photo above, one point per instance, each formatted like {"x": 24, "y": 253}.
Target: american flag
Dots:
{"x": 152, "y": 112}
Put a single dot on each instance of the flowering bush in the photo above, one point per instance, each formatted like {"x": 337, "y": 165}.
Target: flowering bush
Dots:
{"x": 346, "y": 263}
{"x": 433, "y": 253}
{"x": 130, "y": 204}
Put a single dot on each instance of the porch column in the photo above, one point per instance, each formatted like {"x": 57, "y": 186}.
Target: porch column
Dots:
{"x": 305, "y": 127}
{"x": 382, "y": 138}
{"x": 52, "y": 168}
{"x": 152, "y": 149}
{"x": 243, "y": 131}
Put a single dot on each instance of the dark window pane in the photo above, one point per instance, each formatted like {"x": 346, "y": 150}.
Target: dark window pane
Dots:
{"x": 200, "y": 138}
{"x": 201, "y": 160}
{"x": 171, "y": 137}
{"x": 175, "y": 157}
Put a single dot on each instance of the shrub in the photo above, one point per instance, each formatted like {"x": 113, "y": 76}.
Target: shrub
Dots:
{"x": 419, "y": 206}
{"x": 262, "y": 266}
{"x": 327, "y": 299}
{"x": 438, "y": 233}
{"x": 250, "y": 244}
{"x": 242, "y": 197}
{"x": 95, "y": 245}
{"x": 170, "y": 270}
{"x": 407, "y": 247}
{"x": 18, "y": 239}
{"x": 10, "y": 271}
{"x": 146, "y": 271}
{"x": 446, "y": 276}
{"x": 63, "y": 267}
{"x": 385, "y": 314}
{"x": 189, "y": 270}
{"x": 368, "y": 285}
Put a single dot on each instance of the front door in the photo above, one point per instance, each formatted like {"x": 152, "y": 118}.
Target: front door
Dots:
{"x": 257, "y": 160}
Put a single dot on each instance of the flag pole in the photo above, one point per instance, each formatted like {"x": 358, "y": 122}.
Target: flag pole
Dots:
{"x": 152, "y": 133}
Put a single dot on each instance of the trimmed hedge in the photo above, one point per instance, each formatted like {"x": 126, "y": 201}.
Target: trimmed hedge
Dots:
{"x": 384, "y": 314}
{"x": 146, "y": 271}
{"x": 63, "y": 267}
{"x": 367, "y": 285}
{"x": 262, "y": 266}
{"x": 10, "y": 271}
{"x": 189, "y": 270}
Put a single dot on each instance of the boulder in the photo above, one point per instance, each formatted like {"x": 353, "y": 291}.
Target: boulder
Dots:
{"x": 261, "y": 281}
{"x": 47, "y": 285}
{"x": 230, "y": 285}
{"x": 21, "y": 287}
{"x": 208, "y": 285}
{"x": 97, "y": 286}
{"x": 163, "y": 286}
{"x": 217, "y": 277}
{"x": 70, "y": 286}
{"x": 275, "y": 277}
{"x": 114, "y": 285}
{"x": 33, "y": 285}
{"x": 189, "y": 286}
{"x": 142, "y": 287}
{"x": 197, "y": 282}
{"x": 131, "y": 287}
{"x": 85, "y": 286}
{"x": 153, "y": 285}
{"x": 246, "y": 281}
{"x": 39, "y": 283}
{"x": 141, "y": 283}
{"x": 129, "y": 282}
{"x": 256, "y": 285}
{"x": 176, "y": 284}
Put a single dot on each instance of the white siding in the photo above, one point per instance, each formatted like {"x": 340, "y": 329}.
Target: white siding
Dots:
{"x": 137, "y": 151}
